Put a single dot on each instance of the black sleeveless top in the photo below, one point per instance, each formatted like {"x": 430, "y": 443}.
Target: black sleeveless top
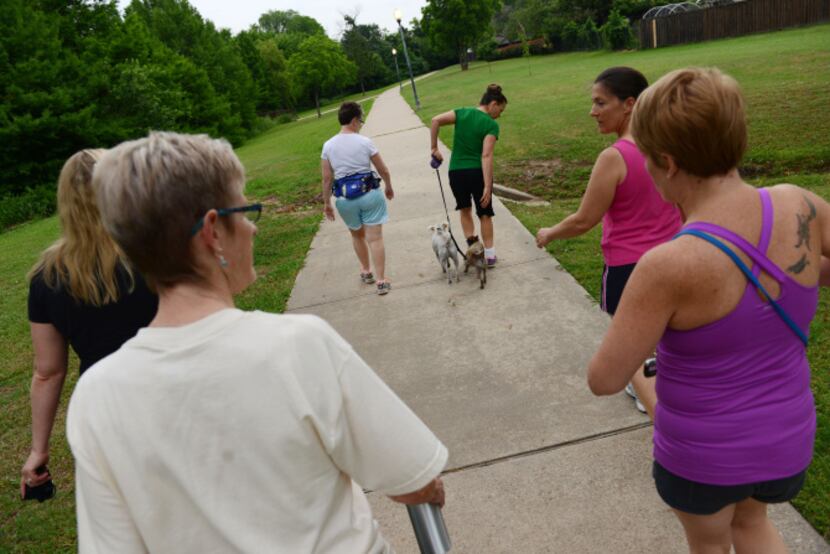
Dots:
{"x": 94, "y": 332}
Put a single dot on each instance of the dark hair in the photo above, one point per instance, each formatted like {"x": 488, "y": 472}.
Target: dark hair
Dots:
{"x": 623, "y": 82}
{"x": 349, "y": 111}
{"x": 492, "y": 93}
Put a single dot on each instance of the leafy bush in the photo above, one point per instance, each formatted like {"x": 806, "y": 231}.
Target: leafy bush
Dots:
{"x": 589, "y": 37}
{"x": 569, "y": 38}
{"x": 34, "y": 203}
{"x": 523, "y": 49}
{"x": 287, "y": 117}
{"x": 616, "y": 33}
{"x": 487, "y": 50}
{"x": 573, "y": 36}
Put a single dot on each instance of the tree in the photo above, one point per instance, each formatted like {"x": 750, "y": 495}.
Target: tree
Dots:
{"x": 370, "y": 66}
{"x": 424, "y": 53}
{"x": 180, "y": 27}
{"x": 289, "y": 21}
{"x": 589, "y": 37}
{"x": 276, "y": 73}
{"x": 459, "y": 24}
{"x": 319, "y": 66}
{"x": 617, "y": 33}
{"x": 267, "y": 65}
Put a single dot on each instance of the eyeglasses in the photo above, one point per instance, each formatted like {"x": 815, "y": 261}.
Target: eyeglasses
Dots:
{"x": 251, "y": 212}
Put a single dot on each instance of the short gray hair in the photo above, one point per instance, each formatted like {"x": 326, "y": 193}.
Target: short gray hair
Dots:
{"x": 152, "y": 191}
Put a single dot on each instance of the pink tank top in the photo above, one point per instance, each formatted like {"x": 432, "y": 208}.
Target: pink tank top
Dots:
{"x": 638, "y": 219}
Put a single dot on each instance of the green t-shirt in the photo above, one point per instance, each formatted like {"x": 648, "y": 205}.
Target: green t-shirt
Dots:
{"x": 471, "y": 126}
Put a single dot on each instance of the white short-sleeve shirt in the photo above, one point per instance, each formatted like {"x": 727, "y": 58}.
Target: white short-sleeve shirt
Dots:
{"x": 241, "y": 432}
{"x": 349, "y": 153}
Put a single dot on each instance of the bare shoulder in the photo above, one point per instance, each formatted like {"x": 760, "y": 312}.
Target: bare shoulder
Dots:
{"x": 609, "y": 166}
{"x": 673, "y": 264}
{"x": 610, "y": 161}
{"x": 789, "y": 194}
{"x": 610, "y": 155}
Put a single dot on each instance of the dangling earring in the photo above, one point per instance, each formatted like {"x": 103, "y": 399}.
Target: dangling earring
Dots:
{"x": 222, "y": 261}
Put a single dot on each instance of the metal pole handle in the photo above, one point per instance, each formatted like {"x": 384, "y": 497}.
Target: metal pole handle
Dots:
{"x": 430, "y": 529}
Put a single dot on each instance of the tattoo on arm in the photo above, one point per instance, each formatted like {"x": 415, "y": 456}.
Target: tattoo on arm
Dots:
{"x": 799, "y": 266}
{"x": 804, "y": 225}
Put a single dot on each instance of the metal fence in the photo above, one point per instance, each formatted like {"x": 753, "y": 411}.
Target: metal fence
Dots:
{"x": 732, "y": 20}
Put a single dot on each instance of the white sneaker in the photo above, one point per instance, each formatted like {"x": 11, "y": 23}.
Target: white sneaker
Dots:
{"x": 629, "y": 390}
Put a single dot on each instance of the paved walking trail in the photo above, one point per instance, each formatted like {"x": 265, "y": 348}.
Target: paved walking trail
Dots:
{"x": 537, "y": 464}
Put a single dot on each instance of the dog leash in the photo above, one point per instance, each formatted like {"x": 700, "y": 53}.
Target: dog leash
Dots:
{"x": 435, "y": 163}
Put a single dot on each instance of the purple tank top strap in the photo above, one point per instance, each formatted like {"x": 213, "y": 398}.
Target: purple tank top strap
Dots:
{"x": 761, "y": 261}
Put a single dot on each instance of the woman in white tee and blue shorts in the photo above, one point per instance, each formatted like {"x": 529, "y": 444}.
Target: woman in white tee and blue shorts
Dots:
{"x": 347, "y": 161}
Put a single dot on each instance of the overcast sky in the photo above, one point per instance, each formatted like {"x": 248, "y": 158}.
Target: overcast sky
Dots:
{"x": 238, "y": 15}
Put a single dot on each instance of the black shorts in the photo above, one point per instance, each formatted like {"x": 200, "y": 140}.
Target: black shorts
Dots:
{"x": 467, "y": 186}
{"x": 614, "y": 279}
{"x": 702, "y": 499}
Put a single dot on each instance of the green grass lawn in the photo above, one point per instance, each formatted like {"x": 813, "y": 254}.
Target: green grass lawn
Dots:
{"x": 548, "y": 145}
{"x": 283, "y": 167}
{"x": 335, "y": 103}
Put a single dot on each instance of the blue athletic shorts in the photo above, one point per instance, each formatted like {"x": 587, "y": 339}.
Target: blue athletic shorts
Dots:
{"x": 369, "y": 209}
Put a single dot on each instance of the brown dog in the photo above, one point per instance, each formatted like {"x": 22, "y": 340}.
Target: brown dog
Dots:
{"x": 475, "y": 258}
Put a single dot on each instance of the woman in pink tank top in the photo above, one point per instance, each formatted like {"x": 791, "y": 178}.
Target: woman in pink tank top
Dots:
{"x": 727, "y": 304}
{"x": 621, "y": 194}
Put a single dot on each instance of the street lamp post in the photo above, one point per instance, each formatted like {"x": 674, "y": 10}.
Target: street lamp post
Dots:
{"x": 398, "y": 17}
{"x": 397, "y": 71}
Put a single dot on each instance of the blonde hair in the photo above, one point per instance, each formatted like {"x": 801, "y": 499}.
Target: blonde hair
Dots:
{"x": 696, "y": 116}
{"x": 152, "y": 191}
{"x": 84, "y": 260}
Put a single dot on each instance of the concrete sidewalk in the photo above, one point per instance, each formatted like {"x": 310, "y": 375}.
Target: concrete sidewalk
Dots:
{"x": 537, "y": 464}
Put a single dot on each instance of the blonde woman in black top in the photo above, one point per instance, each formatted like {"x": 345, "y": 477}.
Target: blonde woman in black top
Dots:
{"x": 82, "y": 293}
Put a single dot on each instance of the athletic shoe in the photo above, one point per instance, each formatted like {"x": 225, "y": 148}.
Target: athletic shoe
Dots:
{"x": 384, "y": 287}
{"x": 491, "y": 262}
{"x": 629, "y": 390}
{"x": 367, "y": 278}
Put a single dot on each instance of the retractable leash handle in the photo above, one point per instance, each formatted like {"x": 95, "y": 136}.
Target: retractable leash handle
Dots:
{"x": 435, "y": 163}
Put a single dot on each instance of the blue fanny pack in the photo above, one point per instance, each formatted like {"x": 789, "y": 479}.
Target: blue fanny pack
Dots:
{"x": 355, "y": 185}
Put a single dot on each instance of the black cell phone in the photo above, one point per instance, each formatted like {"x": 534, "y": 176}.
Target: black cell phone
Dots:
{"x": 650, "y": 367}
{"x": 42, "y": 492}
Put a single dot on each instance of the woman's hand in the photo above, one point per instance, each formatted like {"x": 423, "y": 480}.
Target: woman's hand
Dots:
{"x": 485, "y": 198}
{"x": 29, "y": 475}
{"x": 390, "y": 194}
{"x": 436, "y": 153}
{"x": 433, "y": 493}
{"x": 543, "y": 237}
{"x": 328, "y": 210}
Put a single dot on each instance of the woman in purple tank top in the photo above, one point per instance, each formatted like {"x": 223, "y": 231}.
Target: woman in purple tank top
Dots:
{"x": 735, "y": 421}
{"x": 621, "y": 194}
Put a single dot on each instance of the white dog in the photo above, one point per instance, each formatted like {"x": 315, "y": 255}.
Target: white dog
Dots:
{"x": 445, "y": 249}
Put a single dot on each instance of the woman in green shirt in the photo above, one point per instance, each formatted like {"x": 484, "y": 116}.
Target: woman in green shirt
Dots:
{"x": 471, "y": 163}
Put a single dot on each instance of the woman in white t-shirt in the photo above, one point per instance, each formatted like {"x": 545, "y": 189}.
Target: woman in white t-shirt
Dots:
{"x": 349, "y": 156}
{"x": 219, "y": 430}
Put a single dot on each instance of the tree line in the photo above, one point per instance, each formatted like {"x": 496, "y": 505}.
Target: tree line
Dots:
{"x": 77, "y": 73}
{"x": 567, "y": 25}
